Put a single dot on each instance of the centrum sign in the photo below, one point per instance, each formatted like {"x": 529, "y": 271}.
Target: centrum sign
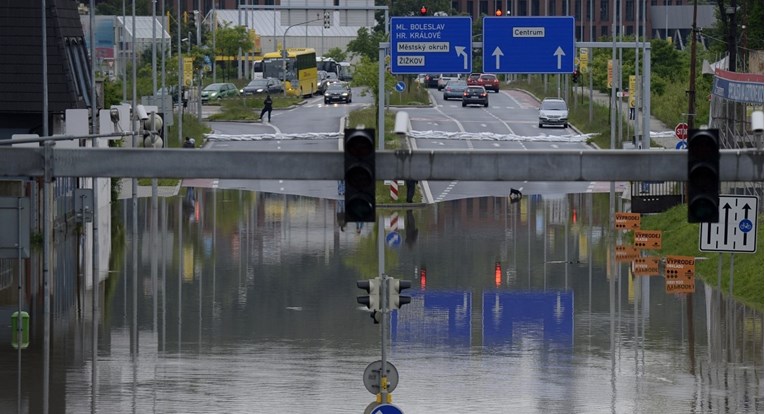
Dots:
{"x": 431, "y": 45}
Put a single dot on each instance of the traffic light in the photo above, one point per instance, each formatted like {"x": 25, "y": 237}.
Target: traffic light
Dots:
{"x": 395, "y": 298}
{"x": 703, "y": 176}
{"x": 498, "y": 12}
{"x": 575, "y": 76}
{"x": 360, "y": 181}
{"x": 423, "y": 11}
{"x": 327, "y": 23}
{"x": 372, "y": 299}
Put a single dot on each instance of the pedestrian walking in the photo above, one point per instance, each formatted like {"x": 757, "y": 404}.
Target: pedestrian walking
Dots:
{"x": 267, "y": 107}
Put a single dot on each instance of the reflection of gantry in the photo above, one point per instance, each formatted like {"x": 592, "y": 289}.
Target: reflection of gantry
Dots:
{"x": 734, "y": 97}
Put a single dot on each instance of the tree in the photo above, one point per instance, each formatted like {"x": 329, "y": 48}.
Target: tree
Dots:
{"x": 367, "y": 75}
{"x": 337, "y": 54}
{"x": 228, "y": 41}
{"x": 366, "y": 44}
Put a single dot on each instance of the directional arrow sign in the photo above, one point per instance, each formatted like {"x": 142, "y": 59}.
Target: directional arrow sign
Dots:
{"x": 431, "y": 44}
{"x": 736, "y": 231}
{"x": 528, "y": 44}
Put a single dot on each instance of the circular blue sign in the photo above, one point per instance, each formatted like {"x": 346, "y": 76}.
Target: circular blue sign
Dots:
{"x": 400, "y": 86}
{"x": 745, "y": 225}
{"x": 682, "y": 145}
{"x": 393, "y": 239}
{"x": 387, "y": 409}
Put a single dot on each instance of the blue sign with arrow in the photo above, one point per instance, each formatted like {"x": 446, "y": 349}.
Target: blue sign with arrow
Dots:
{"x": 387, "y": 409}
{"x": 528, "y": 44}
{"x": 431, "y": 44}
{"x": 400, "y": 86}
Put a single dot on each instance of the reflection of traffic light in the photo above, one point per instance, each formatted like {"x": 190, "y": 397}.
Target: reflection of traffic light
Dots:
{"x": 423, "y": 11}
{"x": 372, "y": 299}
{"x": 703, "y": 176}
{"x": 423, "y": 278}
{"x": 327, "y": 23}
{"x": 497, "y": 274}
{"x": 498, "y": 12}
{"x": 395, "y": 298}
{"x": 360, "y": 183}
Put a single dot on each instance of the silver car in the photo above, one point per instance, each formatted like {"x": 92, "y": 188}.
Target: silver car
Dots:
{"x": 454, "y": 89}
{"x": 553, "y": 111}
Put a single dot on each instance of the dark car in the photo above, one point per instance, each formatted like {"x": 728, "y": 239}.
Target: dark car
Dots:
{"x": 338, "y": 91}
{"x": 431, "y": 80}
{"x": 489, "y": 81}
{"x": 267, "y": 85}
{"x": 454, "y": 89}
{"x": 475, "y": 95}
{"x": 218, "y": 91}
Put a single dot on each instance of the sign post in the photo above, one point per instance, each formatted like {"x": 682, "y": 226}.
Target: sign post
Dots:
{"x": 431, "y": 45}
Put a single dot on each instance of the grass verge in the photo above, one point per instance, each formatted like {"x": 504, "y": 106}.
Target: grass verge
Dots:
{"x": 247, "y": 108}
{"x": 682, "y": 238}
{"x": 578, "y": 115}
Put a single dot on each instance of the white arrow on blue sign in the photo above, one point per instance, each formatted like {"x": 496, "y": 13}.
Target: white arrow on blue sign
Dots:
{"x": 528, "y": 44}
{"x": 387, "y": 409}
{"x": 681, "y": 145}
{"x": 400, "y": 86}
{"x": 431, "y": 44}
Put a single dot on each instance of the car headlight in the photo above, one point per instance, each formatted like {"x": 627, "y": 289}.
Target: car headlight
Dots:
{"x": 345, "y": 93}
{"x": 326, "y": 94}
{"x": 212, "y": 94}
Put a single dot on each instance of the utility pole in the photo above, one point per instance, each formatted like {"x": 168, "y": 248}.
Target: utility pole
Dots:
{"x": 731, "y": 12}
{"x": 692, "y": 86}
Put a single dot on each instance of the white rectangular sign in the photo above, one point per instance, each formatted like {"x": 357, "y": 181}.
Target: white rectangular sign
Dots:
{"x": 736, "y": 232}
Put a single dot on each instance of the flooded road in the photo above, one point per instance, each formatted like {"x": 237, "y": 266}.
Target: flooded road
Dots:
{"x": 242, "y": 302}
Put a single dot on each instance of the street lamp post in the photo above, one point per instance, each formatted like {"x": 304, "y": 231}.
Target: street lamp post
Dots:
{"x": 284, "y": 51}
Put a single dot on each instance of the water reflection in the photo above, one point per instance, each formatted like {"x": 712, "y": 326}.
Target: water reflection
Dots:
{"x": 232, "y": 301}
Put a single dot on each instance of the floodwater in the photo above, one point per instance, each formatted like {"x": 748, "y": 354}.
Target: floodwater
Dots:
{"x": 239, "y": 302}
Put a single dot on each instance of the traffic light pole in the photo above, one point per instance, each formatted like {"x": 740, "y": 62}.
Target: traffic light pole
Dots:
{"x": 383, "y": 310}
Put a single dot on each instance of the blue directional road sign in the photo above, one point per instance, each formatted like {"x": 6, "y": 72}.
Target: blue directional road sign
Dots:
{"x": 400, "y": 86}
{"x": 528, "y": 44}
{"x": 387, "y": 409}
{"x": 431, "y": 44}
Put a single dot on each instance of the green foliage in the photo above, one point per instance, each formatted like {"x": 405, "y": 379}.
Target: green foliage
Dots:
{"x": 366, "y": 44}
{"x": 248, "y": 108}
{"x": 414, "y": 94}
{"x": 682, "y": 238}
{"x": 228, "y": 41}
{"x": 368, "y": 118}
{"x": 337, "y": 54}
{"x": 366, "y": 74}
{"x": 192, "y": 127}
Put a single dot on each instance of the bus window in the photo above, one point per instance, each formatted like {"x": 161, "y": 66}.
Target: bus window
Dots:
{"x": 257, "y": 69}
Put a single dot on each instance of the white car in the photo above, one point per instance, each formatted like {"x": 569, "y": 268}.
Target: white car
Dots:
{"x": 553, "y": 111}
{"x": 445, "y": 78}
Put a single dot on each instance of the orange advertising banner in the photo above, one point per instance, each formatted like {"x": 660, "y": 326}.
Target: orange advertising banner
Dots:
{"x": 648, "y": 239}
{"x": 627, "y": 221}
{"x": 646, "y": 266}
{"x": 680, "y": 274}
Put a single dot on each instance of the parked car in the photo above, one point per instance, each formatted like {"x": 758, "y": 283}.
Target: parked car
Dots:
{"x": 330, "y": 79}
{"x": 472, "y": 79}
{"x": 475, "y": 95}
{"x": 218, "y": 91}
{"x": 431, "y": 80}
{"x": 489, "y": 81}
{"x": 171, "y": 90}
{"x": 446, "y": 77}
{"x": 338, "y": 91}
{"x": 266, "y": 85}
{"x": 553, "y": 111}
{"x": 420, "y": 78}
{"x": 454, "y": 89}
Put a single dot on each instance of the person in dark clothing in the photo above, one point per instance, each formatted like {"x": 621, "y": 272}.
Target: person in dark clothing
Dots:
{"x": 189, "y": 143}
{"x": 267, "y": 107}
{"x": 410, "y": 187}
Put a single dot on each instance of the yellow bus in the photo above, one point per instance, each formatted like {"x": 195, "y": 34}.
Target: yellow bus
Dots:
{"x": 301, "y": 76}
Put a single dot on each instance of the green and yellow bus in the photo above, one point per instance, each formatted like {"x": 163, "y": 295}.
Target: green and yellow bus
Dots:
{"x": 301, "y": 74}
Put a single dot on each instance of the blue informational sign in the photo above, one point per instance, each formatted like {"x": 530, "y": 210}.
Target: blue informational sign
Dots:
{"x": 528, "y": 44}
{"x": 431, "y": 44}
{"x": 393, "y": 239}
{"x": 400, "y": 86}
{"x": 681, "y": 145}
{"x": 387, "y": 409}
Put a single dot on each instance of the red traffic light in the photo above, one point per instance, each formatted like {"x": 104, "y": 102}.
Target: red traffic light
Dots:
{"x": 423, "y": 11}
{"x": 498, "y": 12}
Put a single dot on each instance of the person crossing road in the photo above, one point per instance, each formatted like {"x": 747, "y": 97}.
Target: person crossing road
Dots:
{"x": 267, "y": 107}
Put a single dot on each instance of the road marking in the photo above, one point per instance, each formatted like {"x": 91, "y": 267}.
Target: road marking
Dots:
{"x": 446, "y": 190}
{"x": 500, "y": 120}
{"x": 459, "y": 125}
